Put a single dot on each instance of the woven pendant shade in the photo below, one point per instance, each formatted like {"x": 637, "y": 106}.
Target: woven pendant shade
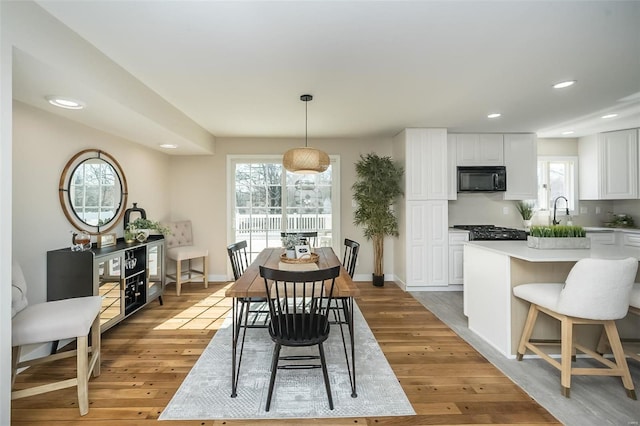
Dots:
{"x": 305, "y": 160}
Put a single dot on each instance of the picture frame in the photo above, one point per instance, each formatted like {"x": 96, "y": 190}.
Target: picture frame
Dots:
{"x": 106, "y": 240}
{"x": 303, "y": 251}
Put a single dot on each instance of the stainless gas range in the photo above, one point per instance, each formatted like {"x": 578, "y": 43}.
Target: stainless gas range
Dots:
{"x": 490, "y": 232}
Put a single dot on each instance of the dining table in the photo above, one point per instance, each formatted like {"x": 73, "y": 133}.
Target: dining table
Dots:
{"x": 250, "y": 285}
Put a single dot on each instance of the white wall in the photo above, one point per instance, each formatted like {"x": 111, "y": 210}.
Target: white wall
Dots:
{"x": 5, "y": 219}
{"x": 42, "y": 144}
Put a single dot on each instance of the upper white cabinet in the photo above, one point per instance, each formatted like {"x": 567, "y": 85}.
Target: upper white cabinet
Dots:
{"x": 479, "y": 149}
{"x": 425, "y": 162}
{"x": 609, "y": 165}
{"x": 520, "y": 160}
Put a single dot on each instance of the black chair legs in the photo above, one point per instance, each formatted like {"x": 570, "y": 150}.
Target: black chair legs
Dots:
{"x": 274, "y": 369}
{"x": 327, "y": 385}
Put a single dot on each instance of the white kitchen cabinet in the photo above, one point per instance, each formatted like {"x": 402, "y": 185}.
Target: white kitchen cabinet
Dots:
{"x": 425, "y": 163}
{"x": 609, "y": 166}
{"x": 421, "y": 254}
{"x": 521, "y": 162}
{"x": 630, "y": 239}
{"x": 427, "y": 244}
{"x": 479, "y": 149}
{"x": 456, "y": 256}
{"x": 602, "y": 238}
{"x": 452, "y": 169}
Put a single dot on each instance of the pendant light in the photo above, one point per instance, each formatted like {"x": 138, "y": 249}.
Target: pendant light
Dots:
{"x": 305, "y": 160}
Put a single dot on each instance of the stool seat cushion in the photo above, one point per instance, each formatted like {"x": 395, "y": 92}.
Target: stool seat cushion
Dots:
{"x": 634, "y": 300}
{"x": 57, "y": 320}
{"x": 186, "y": 252}
{"x": 542, "y": 294}
{"x": 596, "y": 289}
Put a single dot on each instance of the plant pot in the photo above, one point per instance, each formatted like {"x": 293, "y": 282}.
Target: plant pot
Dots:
{"x": 526, "y": 224}
{"x": 291, "y": 254}
{"x": 378, "y": 280}
{"x": 545, "y": 243}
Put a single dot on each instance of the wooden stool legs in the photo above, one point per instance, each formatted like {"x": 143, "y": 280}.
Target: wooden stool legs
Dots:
{"x": 85, "y": 367}
{"x": 191, "y": 273}
{"x": 568, "y": 350}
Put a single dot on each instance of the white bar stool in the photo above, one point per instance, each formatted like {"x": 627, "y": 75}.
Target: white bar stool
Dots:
{"x": 597, "y": 291}
{"x": 52, "y": 321}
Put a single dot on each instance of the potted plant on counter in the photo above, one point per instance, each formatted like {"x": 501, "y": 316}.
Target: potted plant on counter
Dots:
{"x": 525, "y": 208}
{"x": 376, "y": 189}
{"x": 558, "y": 237}
{"x": 141, "y": 228}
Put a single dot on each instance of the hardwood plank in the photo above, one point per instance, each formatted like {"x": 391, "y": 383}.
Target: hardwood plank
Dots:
{"x": 146, "y": 357}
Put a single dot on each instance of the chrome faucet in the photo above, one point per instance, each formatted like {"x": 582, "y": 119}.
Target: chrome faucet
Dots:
{"x": 566, "y": 202}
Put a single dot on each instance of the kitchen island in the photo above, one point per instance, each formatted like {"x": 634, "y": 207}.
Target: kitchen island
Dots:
{"x": 493, "y": 268}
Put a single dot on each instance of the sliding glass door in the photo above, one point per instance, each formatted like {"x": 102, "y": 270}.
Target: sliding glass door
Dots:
{"x": 267, "y": 200}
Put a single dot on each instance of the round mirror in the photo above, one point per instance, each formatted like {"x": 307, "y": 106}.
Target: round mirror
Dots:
{"x": 93, "y": 191}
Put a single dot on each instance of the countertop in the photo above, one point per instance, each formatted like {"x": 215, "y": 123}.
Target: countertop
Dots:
{"x": 519, "y": 250}
{"x": 606, "y": 229}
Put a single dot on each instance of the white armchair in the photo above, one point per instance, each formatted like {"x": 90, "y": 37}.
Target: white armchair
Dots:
{"x": 180, "y": 248}
{"x": 49, "y": 322}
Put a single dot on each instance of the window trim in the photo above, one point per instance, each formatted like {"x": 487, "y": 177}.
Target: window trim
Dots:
{"x": 575, "y": 179}
{"x": 233, "y": 159}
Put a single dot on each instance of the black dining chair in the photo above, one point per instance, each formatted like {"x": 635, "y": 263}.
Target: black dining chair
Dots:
{"x": 342, "y": 306}
{"x": 350, "y": 258}
{"x": 310, "y": 237}
{"x": 298, "y": 303}
{"x": 255, "y": 306}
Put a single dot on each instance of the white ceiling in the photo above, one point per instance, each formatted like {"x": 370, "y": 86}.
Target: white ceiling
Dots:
{"x": 237, "y": 69}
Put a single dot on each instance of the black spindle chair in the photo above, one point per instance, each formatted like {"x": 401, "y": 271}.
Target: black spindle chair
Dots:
{"x": 248, "y": 305}
{"x": 298, "y": 303}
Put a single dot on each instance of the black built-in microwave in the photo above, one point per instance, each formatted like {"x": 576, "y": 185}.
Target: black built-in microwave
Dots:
{"x": 482, "y": 179}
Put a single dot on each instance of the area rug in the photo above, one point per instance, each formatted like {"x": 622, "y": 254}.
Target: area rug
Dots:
{"x": 205, "y": 393}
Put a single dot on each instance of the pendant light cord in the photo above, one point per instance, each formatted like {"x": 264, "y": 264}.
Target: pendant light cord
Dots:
{"x": 306, "y": 124}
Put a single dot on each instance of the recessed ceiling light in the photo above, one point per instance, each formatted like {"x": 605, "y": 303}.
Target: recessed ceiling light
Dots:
{"x": 564, "y": 84}
{"x": 494, "y": 115}
{"x": 610, "y": 116}
{"x": 168, "y": 146}
{"x": 64, "y": 102}
{"x": 568, "y": 132}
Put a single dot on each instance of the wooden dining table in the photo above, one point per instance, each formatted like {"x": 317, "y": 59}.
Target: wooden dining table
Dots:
{"x": 251, "y": 285}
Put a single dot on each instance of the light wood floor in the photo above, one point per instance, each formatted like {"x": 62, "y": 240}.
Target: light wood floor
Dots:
{"x": 146, "y": 357}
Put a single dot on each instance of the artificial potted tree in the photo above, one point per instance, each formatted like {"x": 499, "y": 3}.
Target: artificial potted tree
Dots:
{"x": 376, "y": 189}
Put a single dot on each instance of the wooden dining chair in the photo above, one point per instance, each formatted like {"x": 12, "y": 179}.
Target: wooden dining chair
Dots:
{"x": 298, "y": 302}
{"x": 257, "y": 307}
{"x": 310, "y": 237}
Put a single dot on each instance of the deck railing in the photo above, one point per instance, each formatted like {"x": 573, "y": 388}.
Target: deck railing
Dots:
{"x": 257, "y": 224}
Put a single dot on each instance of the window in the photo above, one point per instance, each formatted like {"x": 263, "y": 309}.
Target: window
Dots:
{"x": 557, "y": 176}
{"x": 267, "y": 200}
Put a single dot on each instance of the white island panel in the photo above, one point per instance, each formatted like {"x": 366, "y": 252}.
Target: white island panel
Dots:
{"x": 486, "y": 296}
